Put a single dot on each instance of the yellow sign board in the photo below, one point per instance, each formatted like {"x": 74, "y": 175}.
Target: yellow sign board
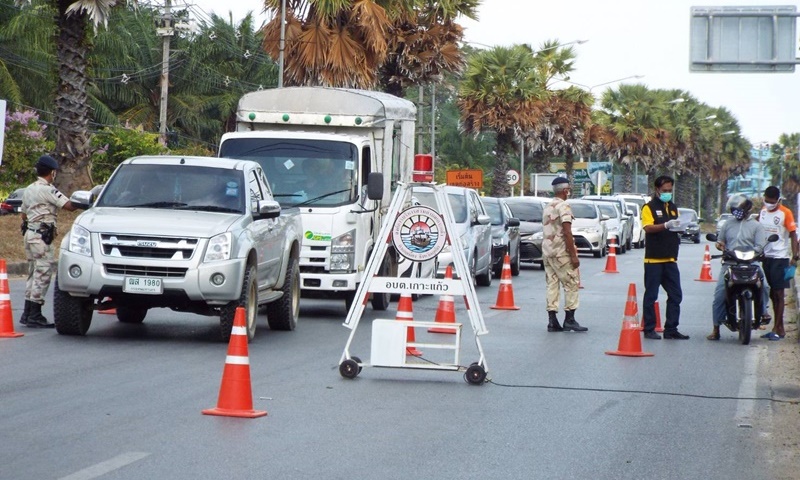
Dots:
{"x": 465, "y": 178}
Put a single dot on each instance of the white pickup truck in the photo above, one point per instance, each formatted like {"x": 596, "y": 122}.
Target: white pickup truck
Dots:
{"x": 194, "y": 234}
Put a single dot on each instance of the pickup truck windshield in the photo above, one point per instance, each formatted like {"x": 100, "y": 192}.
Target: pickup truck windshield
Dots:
{"x": 181, "y": 187}
{"x": 300, "y": 171}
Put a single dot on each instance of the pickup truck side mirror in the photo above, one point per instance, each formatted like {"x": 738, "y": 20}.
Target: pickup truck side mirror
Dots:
{"x": 267, "y": 209}
{"x": 82, "y": 199}
{"x": 483, "y": 220}
{"x": 375, "y": 186}
{"x": 604, "y": 217}
{"x": 512, "y": 222}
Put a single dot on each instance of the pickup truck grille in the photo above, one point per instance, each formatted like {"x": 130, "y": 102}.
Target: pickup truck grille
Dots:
{"x": 145, "y": 271}
{"x": 135, "y": 246}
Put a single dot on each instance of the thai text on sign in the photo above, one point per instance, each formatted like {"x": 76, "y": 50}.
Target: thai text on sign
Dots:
{"x": 465, "y": 178}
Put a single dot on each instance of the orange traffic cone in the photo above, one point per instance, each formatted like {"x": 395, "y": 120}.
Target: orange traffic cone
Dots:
{"x": 6, "y": 318}
{"x": 405, "y": 312}
{"x": 630, "y": 341}
{"x": 705, "y": 270}
{"x": 659, "y": 328}
{"x": 446, "y": 312}
{"x": 611, "y": 260}
{"x": 108, "y": 311}
{"x": 235, "y": 395}
{"x": 505, "y": 295}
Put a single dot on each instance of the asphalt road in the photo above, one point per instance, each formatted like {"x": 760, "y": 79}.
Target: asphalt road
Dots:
{"x": 124, "y": 402}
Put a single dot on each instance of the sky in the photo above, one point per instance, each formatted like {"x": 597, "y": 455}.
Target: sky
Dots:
{"x": 625, "y": 38}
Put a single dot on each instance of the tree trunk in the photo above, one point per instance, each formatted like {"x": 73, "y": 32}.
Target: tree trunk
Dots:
{"x": 569, "y": 168}
{"x": 505, "y": 148}
{"x": 72, "y": 108}
{"x": 627, "y": 178}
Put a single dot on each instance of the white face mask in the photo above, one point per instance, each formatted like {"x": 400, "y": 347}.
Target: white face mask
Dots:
{"x": 771, "y": 206}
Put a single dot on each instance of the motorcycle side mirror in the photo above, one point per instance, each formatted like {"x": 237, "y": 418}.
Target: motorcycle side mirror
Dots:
{"x": 773, "y": 238}
{"x": 711, "y": 237}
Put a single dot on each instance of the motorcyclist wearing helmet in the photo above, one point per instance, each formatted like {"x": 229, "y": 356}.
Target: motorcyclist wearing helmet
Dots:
{"x": 740, "y": 231}
{"x": 40, "y": 204}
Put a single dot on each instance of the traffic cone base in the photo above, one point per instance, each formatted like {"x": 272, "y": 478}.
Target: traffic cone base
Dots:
{"x": 405, "y": 312}
{"x": 108, "y": 311}
{"x": 6, "y": 317}
{"x": 657, "y": 309}
{"x": 630, "y": 344}
{"x": 446, "y": 311}
{"x": 505, "y": 295}
{"x": 235, "y": 394}
{"x": 705, "y": 270}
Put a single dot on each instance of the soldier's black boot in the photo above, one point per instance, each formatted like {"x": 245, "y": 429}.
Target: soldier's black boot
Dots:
{"x": 571, "y": 324}
{"x": 24, "y": 318}
{"x": 553, "y": 326}
{"x": 36, "y": 319}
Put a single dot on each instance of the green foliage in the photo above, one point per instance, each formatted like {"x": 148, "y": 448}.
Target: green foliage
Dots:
{"x": 25, "y": 141}
{"x": 112, "y": 145}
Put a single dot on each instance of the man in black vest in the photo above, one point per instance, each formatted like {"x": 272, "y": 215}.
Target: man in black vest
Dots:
{"x": 662, "y": 241}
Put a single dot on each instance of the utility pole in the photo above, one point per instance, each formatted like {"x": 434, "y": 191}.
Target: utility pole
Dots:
{"x": 282, "y": 45}
{"x": 419, "y": 120}
{"x": 433, "y": 121}
{"x": 166, "y": 33}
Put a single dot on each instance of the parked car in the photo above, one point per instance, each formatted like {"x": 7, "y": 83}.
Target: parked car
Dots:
{"x": 625, "y": 232}
{"x": 13, "y": 203}
{"x": 505, "y": 235}
{"x": 614, "y": 225}
{"x": 691, "y": 221}
{"x": 589, "y": 227}
{"x": 635, "y": 203}
{"x": 529, "y": 212}
{"x": 472, "y": 228}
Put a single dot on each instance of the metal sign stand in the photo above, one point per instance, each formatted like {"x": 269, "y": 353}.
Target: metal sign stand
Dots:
{"x": 389, "y": 337}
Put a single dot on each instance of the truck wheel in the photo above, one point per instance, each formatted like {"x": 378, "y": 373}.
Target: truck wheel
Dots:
{"x": 282, "y": 313}
{"x": 72, "y": 315}
{"x": 483, "y": 279}
{"x": 380, "y": 301}
{"x": 131, "y": 314}
{"x": 249, "y": 300}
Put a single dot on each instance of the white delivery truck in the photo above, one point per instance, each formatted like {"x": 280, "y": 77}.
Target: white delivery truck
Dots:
{"x": 321, "y": 148}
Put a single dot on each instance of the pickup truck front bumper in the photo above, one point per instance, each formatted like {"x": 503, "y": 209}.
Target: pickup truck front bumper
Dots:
{"x": 84, "y": 276}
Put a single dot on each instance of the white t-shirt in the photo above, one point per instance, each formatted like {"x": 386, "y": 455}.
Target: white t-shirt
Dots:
{"x": 780, "y": 222}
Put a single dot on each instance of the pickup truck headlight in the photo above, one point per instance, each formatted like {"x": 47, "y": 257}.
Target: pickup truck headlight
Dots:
{"x": 219, "y": 248}
{"x": 80, "y": 241}
{"x": 343, "y": 252}
{"x": 538, "y": 236}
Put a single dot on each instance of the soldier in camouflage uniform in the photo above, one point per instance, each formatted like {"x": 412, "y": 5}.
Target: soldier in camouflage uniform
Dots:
{"x": 40, "y": 204}
{"x": 560, "y": 257}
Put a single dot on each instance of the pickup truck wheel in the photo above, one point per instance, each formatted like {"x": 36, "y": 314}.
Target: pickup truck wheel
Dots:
{"x": 249, "y": 300}
{"x": 514, "y": 265}
{"x": 72, "y": 315}
{"x": 484, "y": 279}
{"x": 131, "y": 314}
{"x": 282, "y": 313}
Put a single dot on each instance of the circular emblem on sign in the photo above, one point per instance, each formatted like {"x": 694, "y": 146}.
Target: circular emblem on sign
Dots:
{"x": 418, "y": 233}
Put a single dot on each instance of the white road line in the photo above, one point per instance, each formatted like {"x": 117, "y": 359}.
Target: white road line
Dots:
{"x": 102, "y": 468}
{"x": 749, "y": 384}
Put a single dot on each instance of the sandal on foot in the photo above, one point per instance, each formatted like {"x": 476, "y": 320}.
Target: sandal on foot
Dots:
{"x": 713, "y": 337}
{"x": 771, "y": 336}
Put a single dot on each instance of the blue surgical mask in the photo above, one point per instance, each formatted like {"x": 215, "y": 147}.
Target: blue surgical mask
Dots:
{"x": 665, "y": 196}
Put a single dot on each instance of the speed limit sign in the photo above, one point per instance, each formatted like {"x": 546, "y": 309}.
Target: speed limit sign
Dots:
{"x": 512, "y": 176}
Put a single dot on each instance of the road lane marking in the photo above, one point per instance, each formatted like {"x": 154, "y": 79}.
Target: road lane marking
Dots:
{"x": 749, "y": 383}
{"x": 110, "y": 465}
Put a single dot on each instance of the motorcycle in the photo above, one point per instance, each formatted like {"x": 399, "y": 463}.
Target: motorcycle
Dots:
{"x": 743, "y": 288}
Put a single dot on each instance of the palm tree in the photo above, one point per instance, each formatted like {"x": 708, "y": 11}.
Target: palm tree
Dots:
{"x": 501, "y": 92}
{"x": 784, "y": 164}
{"x": 423, "y": 44}
{"x": 74, "y": 22}
{"x": 633, "y": 129}
{"x": 333, "y": 42}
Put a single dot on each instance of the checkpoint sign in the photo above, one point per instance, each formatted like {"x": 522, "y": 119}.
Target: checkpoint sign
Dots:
{"x": 512, "y": 176}
{"x": 465, "y": 178}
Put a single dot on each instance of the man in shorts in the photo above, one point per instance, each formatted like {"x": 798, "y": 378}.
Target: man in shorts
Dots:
{"x": 779, "y": 255}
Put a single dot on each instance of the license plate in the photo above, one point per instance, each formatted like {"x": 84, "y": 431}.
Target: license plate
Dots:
{"x": 145, "y": 285}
